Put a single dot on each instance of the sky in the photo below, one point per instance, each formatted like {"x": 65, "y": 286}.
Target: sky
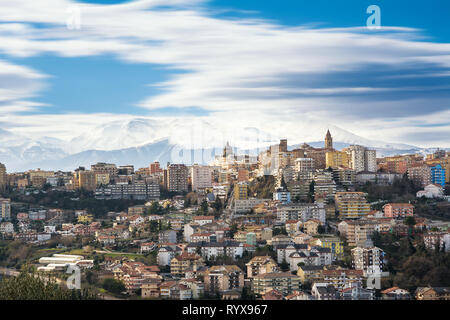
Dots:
{"x": 284, "y": 67}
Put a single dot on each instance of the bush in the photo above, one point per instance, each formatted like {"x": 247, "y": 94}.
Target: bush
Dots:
{"x": 30, "y": 286}
{"x": 113, "y": 285}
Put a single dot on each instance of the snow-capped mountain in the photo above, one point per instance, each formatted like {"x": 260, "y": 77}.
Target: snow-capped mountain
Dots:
{"x": 139, "y": 141}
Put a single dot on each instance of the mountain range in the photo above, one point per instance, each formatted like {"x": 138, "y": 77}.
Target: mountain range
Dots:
{"x": 141, "y": 141}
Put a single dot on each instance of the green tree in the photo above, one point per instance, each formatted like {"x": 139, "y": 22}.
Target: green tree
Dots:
{"x": 113, "y": 285}
{"x": 284, "y": 266}
{"x": 410, "y": 221}
{"x": 204, "y": 207}
{"x": 30, "y": 286}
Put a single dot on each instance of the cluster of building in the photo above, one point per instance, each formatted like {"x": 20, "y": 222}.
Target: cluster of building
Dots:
{"x": 287, "y": 245}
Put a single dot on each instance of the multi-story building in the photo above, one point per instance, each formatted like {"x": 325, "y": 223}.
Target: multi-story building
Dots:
{"x": 243, "y": 175}
{"x": 167, "y": 236}
{"x": 310, "y": 273}
{"x": 302, "y": 211}
{"x": 282, "y": 195}
{"x": 339, "y": 277}
{"x": 352, "y": 205}
{"x": 438, "y": 175}
{"x": 201, "y": 177}
{"x": 398, "y": 210}
{"x": 324, "y": 185}
{"x": 284, "y": 282}
{"x": 335, "y": 159}
{"x": 299, "y": 189}
{"x": 334, "y": 244}
{"x": 344, "y": 176}
{"x": 223, "y": 278}
{"x": 177, "y": 178}
{"x": 102, "y": 179}
{"x": 185, "y": 261}
{"x": 5, "y": 209}
{"x": 399, "y": 163}
{"x": 260, "y": 265}
{"x": 361, "y": 158}
{"x": 437, "y": 239}
{"x": 359, "y": 231}
{"x": 420, "y": 174}
{"x": 242, "y": 206}
{"x": 370, "y": 260}
{"x": 84, "y": 179}
{"x": 105, "y": 168}
{"x": 155, "y": 168}
{"x": 241, "y": 191}
{"x": 138, "y": 191}
{"x": 3, "y": 176}
{"x": 324, "y": 291}
{"x": 213, "y": 250}
{"x": 304, "y": 164}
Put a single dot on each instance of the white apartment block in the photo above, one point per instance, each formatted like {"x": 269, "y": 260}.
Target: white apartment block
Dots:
{"x": 304, "y": 164}
{"x": 370, "y": 260}
{"x": 362, "y": 158}
{"x": 201, "y": 177}
{"x": 241, "y": 206}
{"x": 5, "y": 209}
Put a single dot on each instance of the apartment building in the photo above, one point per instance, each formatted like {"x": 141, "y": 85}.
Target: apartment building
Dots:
{"x": 155, "y": 168}
{"x": 304, "y": 164}
{"x": 358, "y": 232}
{"x": 438, "y": 175}
{"x": 361, "y": 158}
{"x": 3, "y": 176}
{"x": 177, "y": 178}
{"x": 105, "y": 168}
{"x": 185, "y": 261}
{"x": 352, "y": 205}
{"x": 138, "y": 191}
{"x": 335, "y": 159}
{"x": 201, "y": 177}
{"x": 84, "y": 179}
{"x": 260, "y": 265}
{"x": 284, "y": 282}
{"x": 245, "y": 205}
{"x": 370, "y": 260}
{"x": 344, "y": 176}
{"x": 398, "y": 210}
{"x": 437, "y": 239}
{"x": 241, "y": 191}
{"x": 223, "y": 278}
{"x": 420, "y": 174}
{"x": 5, "y": 209}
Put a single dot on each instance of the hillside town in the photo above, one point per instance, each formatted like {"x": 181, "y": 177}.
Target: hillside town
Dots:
{"x": 301, "y": 223}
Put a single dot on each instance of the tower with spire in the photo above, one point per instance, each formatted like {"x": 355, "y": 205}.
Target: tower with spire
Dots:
{"x": 328, "y": 140}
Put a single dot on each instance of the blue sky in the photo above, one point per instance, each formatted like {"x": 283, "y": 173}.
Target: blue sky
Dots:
{"x": 104, "y": 84}
{"x": 308, "y": 59}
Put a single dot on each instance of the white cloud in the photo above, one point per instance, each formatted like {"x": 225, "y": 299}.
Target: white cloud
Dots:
{"x": 247, "y": 72}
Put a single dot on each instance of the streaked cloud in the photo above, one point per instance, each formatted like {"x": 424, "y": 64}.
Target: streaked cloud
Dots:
{"x": 242, "y": 72}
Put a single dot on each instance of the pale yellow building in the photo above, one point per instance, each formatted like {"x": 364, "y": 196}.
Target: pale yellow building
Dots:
{"x": 102, "y": 178}
{"x": 352, "y": 205}
{"x": 336, "y": 159}
{"x": 240, "y": 191}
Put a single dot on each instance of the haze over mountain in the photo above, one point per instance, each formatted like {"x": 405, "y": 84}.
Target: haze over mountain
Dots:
{"x": 139, "y": 141}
